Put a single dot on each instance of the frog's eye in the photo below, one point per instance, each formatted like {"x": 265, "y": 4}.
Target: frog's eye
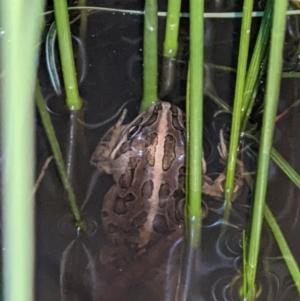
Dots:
{"x": 133, "y": 132}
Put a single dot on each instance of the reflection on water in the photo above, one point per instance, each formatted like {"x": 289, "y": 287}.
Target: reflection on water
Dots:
{"x": 78, "y": 266}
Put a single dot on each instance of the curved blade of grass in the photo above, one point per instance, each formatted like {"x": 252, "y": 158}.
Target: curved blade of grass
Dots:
{"x": 271, "y": 101}
{"x": 150, "y": 54}
{"x": 238, "y": 102}
{"x": 19, "y": 50}
{"x": 283, "y": 246}
{"x": 211, "y": 92}
{"x": 66, "y": 54}
{"x": 195, "y": 120}
{"x": 51, "y": 55}
{"x": 46, "y": 120}
{"x": 50, "y": 58}
{"x": 285, "y": 167}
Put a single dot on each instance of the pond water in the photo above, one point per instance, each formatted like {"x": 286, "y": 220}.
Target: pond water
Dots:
{"x": 67, "y": 262}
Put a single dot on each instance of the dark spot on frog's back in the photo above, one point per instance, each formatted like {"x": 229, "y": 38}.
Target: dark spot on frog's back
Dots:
{"x": 111, "y": 228}
{"x": 160, "y": 225}
{"x": 181, "y": 176}
{"x": 120, "y": 206}
{"x": 150, "y": 148}
{"x": 126, "y": 179}
{"x": 140, "y": 219}
{"x": 169, "y": 152}
{"x": 131, "y": 246}
{"x": 154, "y": 115}
{"x": 163, "y": 194}
{"x": 147, "y": 189}
{"x": 133, "y": 232}
{"x": 104, "y": 213}
{"x": 175, "y": 121}
{"x": 178, "y": 194}
{"x": 129, "y": 197}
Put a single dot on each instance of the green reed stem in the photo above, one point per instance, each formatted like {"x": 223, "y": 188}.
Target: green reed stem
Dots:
{"x": 19, "y": 51}
{"x": 238, "y": 102}
{"x": 46, "y": 120}
{"x": 172, "y": 26}
{"x": 283, "y": 246}
{"x": 259, "y": 53}
{"x": 271, "y": 101}
{"x": 285, "y": 167}
{"x": 168, "y": 68}
{"x": 73, "y": 100}
{"x": 150, "y": 54}
{"x": 195, "y": 121}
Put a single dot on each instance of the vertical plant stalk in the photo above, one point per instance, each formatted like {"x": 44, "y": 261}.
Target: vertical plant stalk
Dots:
{"x": 271, "y": 102}
{"x": 238, "y": 102}
{"x": 18, "y": 58}
{"x": 57, "y": 155}
{"x": 172, "y": 27}
{"x": 195, "y": 121}
{"x": 170, "y": 45}
{"x": 194, "y": 108}
{"x": 66, "y": 54}
{"x": 150, "y": 54}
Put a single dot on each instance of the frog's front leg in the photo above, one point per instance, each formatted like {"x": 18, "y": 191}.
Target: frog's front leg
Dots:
{"x": 103, "y": 155}
{"x": 239, "y": 169}
{"x": 216, "y": 188}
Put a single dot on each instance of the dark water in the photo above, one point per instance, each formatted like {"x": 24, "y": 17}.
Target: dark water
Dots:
{"x": 113, "y": 63}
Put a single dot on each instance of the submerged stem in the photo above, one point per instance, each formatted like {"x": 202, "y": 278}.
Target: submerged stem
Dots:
{"x": 57, "y": 155}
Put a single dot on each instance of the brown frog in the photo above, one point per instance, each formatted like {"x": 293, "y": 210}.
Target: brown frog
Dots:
{"x": 145, "y": 205}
